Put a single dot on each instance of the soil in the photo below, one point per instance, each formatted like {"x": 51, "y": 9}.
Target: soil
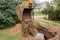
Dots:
{"x": 17, "y": 29}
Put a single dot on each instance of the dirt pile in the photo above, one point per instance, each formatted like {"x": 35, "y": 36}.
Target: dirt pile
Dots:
{"x": 32, "y": 28}
{"x": 16, "y": 29}
{"x": 30, "y": 38}
{"x": 17, "y": 26}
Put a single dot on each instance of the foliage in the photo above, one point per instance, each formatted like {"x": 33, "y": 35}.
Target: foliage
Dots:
{"x": 34, "y": 4}
{"x": 53, "y": 11}
{"x": 7, "y": 12}
{"x": 44, "y": 11}
{"x": 56, "y": 2}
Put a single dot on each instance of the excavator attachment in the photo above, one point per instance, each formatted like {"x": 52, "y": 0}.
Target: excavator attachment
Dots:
{"x": 26, "y": 14}
{"x": 27, "y": 3}
{"x": 24, "y": 10}
{"x": 23, "y": 13}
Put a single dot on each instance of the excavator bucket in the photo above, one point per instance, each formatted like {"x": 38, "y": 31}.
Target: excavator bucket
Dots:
{"x": 23, "y": 13}
{"x": 24, "y": 10}
{"x": 26, "y": 13}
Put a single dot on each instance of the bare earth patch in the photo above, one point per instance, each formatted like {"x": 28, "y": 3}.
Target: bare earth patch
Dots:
{"x": 30, "y": 38}
{"x": 17, "y": 29}
{"x": 55, "y": 29}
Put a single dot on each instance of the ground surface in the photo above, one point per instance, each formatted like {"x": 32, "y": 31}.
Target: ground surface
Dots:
{"x": 6, "y": 35}
{"x": 45, "y": 23}
{"x": 53, "y": 25}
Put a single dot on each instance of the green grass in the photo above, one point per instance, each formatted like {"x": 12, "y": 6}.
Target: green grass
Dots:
{"x": 37, "y": 14}
{"x": 57, "y": 25}
{"x": 47, "y": 22}
{"x": 5, "y": 35}
{"x": 56, "y": 21}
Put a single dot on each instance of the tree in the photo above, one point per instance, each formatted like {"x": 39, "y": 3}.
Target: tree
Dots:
{"x": 53, "y": 10}
{"x": 56, "y": 3}
{"x": 44, "y": 11}
{"x": 49, "y": 10}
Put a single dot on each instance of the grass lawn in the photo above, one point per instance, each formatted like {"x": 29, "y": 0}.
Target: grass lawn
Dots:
{"x": 48, "y": 22}
{"x": 37, "y": 14}
{"x": 54, "y": 23}
{"x": 5, "y": 35}
{"x": 51, "y": 23}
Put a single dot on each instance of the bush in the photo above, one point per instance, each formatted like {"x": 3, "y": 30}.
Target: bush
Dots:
{"x": 7, "y": 12}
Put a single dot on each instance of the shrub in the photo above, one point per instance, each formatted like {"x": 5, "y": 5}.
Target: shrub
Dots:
{"x": 7, "y": 12}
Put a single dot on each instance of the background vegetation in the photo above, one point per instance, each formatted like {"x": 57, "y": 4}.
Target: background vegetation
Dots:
{"x": 52, "y": 10}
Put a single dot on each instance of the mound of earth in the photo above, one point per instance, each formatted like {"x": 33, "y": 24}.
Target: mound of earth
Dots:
{"x": 18, "y": 29}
